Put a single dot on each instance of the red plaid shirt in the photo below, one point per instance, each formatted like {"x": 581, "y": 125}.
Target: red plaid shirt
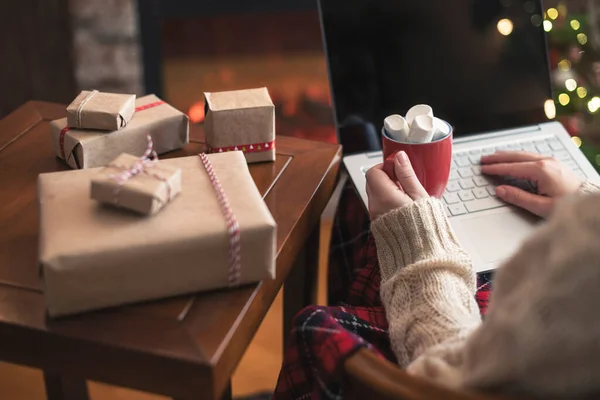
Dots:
{"x": 323, "y": 337}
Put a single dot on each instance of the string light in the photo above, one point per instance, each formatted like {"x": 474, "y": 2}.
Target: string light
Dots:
{"x": 577, "y": 141}
{"x": 575, "y": 24}
{"x": 550, "y": 109}
{"x": 571, "y": 84}
{"x": 594, "y": 104}
{"x": 505, "y": 26}
{"x": 564, "y": 65}
{"x": 547, "y": 25}
{"x": 582, "y": 38}
{"x": 552, "y": 13}
{"x": 564, "y": 99}
{"x": 582, "y": 92}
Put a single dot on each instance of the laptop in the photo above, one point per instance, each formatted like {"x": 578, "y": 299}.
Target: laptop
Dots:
{"x": 482, "y": 65}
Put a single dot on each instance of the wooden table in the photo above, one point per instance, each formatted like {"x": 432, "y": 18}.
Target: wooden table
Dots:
{"x": 186, "y": 347}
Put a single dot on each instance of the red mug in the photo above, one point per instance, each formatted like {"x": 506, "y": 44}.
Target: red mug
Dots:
{"x": 431, "y": 161}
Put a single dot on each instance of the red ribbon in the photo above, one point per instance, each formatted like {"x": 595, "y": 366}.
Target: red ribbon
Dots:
{"x": 61, "y": 140}
{"x": 151, "y": 105}
{"x": 233, "y": 228}
{"x": 246, "y": 148}
{"x": 63, "y": 132}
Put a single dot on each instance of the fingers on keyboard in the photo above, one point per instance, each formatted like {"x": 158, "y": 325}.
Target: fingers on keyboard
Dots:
{"x": 470, "y": 191}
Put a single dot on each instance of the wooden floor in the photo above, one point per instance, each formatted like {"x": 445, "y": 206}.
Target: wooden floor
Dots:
{"x": 257, "y": 372}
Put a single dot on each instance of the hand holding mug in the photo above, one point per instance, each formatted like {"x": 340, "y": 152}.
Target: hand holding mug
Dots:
{"x": 385, "y": 194}
{"x": 430, "y": 161}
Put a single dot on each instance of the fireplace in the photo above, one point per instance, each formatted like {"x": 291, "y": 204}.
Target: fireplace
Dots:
{"x": 190, "y": 47}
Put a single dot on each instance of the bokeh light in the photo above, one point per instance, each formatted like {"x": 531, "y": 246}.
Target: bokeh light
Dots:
{"x": 575, "y": 24}
{"x": 505, "y": 26}
{"x": 564, "y": 65}
{"x": 196, "y": 112}
{"x": 594, "y": 104}
{"x": 564, "y": 99}
{"x": 550, "y": 109}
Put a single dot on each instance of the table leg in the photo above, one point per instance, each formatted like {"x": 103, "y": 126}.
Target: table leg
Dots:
{"x": 60, "y": 387}
{"x": 300, "y": 288}
{"x": 225, "y": 396}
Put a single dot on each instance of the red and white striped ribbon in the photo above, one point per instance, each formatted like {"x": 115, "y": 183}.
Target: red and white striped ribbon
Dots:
{"x": 246, "y": 148}
{"x": 142, "y": 165}
{"x": 233, "y": 228}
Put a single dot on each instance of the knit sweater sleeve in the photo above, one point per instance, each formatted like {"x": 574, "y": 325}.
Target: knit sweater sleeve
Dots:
{"x": 589, "y": 187}
{"x": 428, "y": 283}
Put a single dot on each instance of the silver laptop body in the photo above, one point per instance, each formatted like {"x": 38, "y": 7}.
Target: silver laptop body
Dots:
{"x": 488, "y": 229}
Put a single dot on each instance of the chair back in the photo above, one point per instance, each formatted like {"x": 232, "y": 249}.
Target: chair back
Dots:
{"x": 368, "y": 377}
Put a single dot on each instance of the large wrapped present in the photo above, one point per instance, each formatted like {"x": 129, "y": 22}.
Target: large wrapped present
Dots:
{"x": 241, "y": 120}
{"x": 84, "y": 148}
{"x": 99, "y": 110}
{"x": 216, "y": 233}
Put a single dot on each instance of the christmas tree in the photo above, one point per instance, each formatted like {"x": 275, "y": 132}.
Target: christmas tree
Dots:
{"x": 574, "y": 55}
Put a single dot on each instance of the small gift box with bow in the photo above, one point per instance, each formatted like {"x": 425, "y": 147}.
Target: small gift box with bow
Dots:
{"x": 98, "y": 110}
{"x": 241, "y": 120}
{"x": 137, "y": 184}
{"x": 88, "y": 148}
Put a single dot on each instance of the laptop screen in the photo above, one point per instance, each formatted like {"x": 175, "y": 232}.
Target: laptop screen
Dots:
{"x": 481, "y": 64}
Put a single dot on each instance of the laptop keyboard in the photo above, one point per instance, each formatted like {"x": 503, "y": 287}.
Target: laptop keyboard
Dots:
{"x": 470, "y": 191}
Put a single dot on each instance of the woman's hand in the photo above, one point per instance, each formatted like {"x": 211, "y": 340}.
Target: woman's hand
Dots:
{"x": 553, "y": 179}
{"x": 386, "y": 195}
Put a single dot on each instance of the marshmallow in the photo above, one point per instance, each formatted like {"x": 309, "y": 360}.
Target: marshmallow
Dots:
{"x": 419, "y": 109}
{"x": 441, "y": 129}
{"x": 396, "y": 127}
{"x": 422, "y": 129}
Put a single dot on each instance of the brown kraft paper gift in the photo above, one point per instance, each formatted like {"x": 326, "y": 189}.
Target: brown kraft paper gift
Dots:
{"x": 241, "y": 120}
{"x": 94, "y": 256}
{"x": 82, "y": 148}
{"x": 145, "y": 193}
{"x": 98, "y": 110}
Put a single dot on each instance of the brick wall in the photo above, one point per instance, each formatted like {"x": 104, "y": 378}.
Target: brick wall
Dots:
{"x": 106, "y": 45}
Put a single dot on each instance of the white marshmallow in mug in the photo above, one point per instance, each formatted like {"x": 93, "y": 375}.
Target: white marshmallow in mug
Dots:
{"x": 442, "y": 129}
{"x": 396, "y": 127}
{"x": 421, "y": 129}
{"x": 419, "y": 109}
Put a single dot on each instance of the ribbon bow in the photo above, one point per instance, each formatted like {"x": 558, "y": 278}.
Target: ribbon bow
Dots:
{"x": 141, "y": 166}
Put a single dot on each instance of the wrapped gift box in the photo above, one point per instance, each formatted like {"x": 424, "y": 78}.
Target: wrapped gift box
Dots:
{"x": 241, "y": 120}
{"x": 84, "y": 148}
{"x": 98, "y": 110}
{"x": 94, "y": 256}
{"x": 146, "y": 192}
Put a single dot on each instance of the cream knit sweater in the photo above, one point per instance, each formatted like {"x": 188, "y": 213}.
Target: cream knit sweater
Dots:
{"x": 541, "y": 334}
